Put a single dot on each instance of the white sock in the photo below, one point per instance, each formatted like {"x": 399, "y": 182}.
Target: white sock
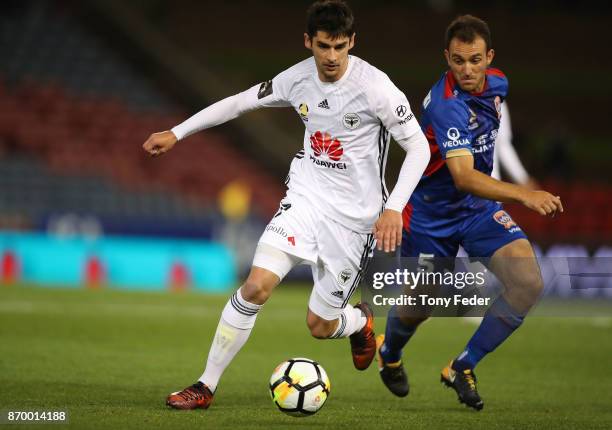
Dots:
{"x": 237, "y": 321}
{"x": 351, "y": 321}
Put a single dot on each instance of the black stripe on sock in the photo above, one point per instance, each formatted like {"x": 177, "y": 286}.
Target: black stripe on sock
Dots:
{"x": 240, "y": 307}
{"x": 341, "y": 328}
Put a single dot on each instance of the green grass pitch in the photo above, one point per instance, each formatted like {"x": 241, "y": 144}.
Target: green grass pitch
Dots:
{"x": 110, "y": 358}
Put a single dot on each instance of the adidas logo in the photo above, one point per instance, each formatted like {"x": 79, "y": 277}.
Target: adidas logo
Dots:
{"x": 324, "y": 104}
{"x": 338, "y": 294}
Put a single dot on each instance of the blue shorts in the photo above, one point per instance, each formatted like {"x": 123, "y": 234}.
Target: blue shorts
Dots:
{"x": 480, "y": 234}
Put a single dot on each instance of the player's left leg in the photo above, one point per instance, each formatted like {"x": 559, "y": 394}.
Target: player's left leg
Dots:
{"x": 517, "y": 269}
{"x": 514, "y": 263}
{"x": 270, "y": 265}
{"x": 355, "y": 322}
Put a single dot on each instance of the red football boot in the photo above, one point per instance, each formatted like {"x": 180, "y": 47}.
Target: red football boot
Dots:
{"x": 363, "y": 343}
{"x": 196, "y": 396}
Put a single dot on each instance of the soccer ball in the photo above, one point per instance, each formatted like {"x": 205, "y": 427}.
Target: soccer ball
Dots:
{"x": 299, "y": 387}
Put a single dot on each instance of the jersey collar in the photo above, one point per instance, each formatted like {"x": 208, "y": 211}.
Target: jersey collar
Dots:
{"x": 450, "y": 86}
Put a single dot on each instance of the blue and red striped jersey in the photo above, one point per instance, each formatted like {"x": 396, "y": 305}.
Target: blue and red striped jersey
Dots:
{"x": 454, "y": 122}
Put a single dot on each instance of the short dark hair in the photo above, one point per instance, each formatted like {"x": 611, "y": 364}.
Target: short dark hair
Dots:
{"x": 466, "y": 28}
{"x": 331, "y": 16}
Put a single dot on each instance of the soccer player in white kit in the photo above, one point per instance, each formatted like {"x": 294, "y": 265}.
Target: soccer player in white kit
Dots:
{"x": 336, "y": 206}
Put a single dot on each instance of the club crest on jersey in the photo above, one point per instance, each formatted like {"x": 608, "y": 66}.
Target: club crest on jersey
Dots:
{"x": 265, "y": 89}
{"x": 327, "y": 151}
{"x": 504, "y": 219}
{"x": 303, "y": 111}
{"x": 345, "y": 276}
{"x": 351, "y": 121}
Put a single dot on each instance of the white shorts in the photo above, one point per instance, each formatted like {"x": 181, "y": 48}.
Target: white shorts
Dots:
{"x": 338, "y": 256}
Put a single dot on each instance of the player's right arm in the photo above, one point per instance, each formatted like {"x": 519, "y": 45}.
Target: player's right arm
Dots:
{"x": 393, "y": 110}
{"x": 267, "y": 94}
{"x": 450, "y": 121}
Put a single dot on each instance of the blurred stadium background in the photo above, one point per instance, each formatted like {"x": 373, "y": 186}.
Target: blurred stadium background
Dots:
{"x": 83, "y": 84}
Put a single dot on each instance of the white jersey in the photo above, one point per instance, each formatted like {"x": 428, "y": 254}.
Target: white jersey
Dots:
{"x": 341, "y": 169}
{"x": 505, "y": 155}
{"x": 342, "y": 166}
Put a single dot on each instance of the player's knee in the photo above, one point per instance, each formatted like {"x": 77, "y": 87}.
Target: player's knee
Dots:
{"x": 520, "y": 272}
{"x": 532, "y": 284}
{"x": 536, "y": 282}
{"x": 255, "y": 291}
{"x": 524, "y": 293}
{"x": 527, "y": 278}
{"x": 259, "y": 285}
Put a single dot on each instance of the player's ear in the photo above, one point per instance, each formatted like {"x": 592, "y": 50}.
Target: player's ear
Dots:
{"x": 352, "y": 41}
{"x": 447, "y": 56}
{"x": 307, "y": 41}
{"x": 490, "y": 55}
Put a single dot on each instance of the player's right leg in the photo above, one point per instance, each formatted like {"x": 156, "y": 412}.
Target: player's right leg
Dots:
{"x": 237, "y": 321}
{"x": 285, "y": 243}
{"x": 390, "y": 364}
{"x": 402, "y": 322}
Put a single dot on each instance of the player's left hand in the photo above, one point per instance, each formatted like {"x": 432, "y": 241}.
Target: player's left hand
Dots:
{"x": 388, "y": 230}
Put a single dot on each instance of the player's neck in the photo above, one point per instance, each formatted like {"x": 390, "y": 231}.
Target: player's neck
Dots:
{"x": 481, "y": 86}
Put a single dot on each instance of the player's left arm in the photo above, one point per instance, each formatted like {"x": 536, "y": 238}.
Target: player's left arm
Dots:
{"x": 388, "y": 227}
{"x": 393, "y": 110}
{"x": 470, "y": 180}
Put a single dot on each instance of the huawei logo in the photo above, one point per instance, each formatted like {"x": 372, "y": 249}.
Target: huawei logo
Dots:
{"x": 323, "y": 143}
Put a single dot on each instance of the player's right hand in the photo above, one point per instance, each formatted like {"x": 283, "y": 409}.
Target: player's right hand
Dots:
{"x": 158, "y": 143}
{"x": 543, "y": 202}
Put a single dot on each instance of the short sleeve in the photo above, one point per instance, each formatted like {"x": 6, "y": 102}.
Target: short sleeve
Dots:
{"x": 392, "y": 108}
{"x": 450, "y": 120}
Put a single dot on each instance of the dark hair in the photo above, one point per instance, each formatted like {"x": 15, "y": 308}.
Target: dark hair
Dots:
{"x": 466, "y": 28}
{"x": 331, "y": 16}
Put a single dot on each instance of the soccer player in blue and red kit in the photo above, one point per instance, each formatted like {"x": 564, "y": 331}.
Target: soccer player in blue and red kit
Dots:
{"x": 456, "y": 203}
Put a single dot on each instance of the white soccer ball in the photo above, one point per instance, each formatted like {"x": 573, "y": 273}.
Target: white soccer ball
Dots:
{"x": 299, "y": 387}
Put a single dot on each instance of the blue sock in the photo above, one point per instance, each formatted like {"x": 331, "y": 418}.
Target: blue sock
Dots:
{"x": 397, "y": 335}
{"x": 498, "y": 324}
